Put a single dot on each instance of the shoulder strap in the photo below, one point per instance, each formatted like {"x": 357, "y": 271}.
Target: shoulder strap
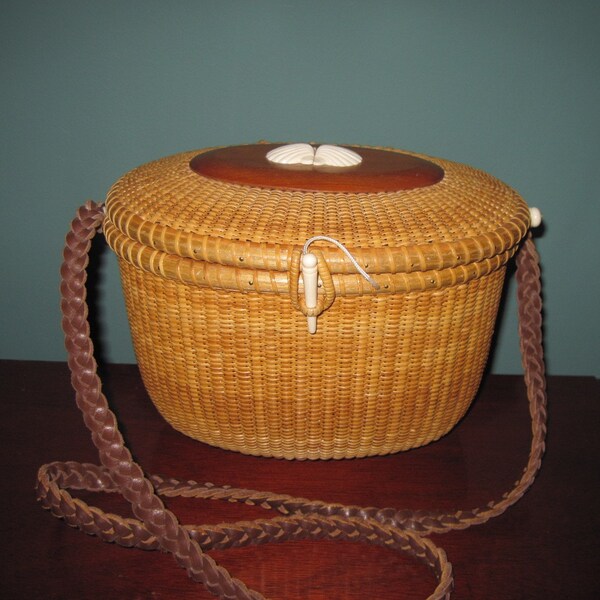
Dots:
{"x": 156, "y": 527}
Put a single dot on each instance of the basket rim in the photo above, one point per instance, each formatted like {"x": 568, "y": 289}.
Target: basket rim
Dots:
{"x": 249, "y": 279}
{"x": 408, "y": 258}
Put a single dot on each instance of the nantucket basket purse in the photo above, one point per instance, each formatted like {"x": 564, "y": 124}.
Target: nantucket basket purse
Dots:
{"x": 302, "y": 302}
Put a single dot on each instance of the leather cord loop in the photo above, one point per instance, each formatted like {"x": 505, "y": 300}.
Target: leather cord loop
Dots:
{"x": 155, "y": 527}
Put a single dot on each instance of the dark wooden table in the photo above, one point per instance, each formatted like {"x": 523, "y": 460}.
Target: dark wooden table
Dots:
{"x": 546, "y": 546}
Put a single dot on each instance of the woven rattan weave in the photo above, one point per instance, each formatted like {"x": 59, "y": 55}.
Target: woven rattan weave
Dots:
{"x": 211, "y": 275}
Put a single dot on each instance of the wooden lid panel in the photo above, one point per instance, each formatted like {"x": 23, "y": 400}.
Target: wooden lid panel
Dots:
{"x": 379, "y": 171}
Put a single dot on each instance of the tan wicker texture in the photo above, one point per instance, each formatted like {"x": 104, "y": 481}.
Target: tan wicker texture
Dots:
{"x": 211, "y": 278}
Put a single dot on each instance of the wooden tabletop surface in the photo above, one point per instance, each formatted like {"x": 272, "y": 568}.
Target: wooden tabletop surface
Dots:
{"x": 546, "y": 546}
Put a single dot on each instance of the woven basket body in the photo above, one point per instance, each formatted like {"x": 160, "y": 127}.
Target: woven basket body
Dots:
{"x": 210, "y": 271}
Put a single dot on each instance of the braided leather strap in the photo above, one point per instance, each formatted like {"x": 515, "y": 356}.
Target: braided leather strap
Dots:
{"x": 156, "y": 527}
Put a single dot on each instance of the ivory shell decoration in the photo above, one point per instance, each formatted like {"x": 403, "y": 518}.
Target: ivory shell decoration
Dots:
{"x": 305, "y": 154}
{"x": 336, "y": 156}
{"x": 292, "y": 154}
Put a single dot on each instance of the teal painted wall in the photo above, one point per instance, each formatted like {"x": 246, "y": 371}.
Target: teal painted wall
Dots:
{"x": 93, "y": 89}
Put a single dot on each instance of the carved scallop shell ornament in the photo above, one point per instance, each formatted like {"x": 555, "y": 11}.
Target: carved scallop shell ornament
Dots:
{"x": 305, "y": 154}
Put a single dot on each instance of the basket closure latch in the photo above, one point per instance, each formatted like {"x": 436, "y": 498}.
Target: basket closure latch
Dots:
{"x": 315, "y": 275}
{"x": 310, "y": 277}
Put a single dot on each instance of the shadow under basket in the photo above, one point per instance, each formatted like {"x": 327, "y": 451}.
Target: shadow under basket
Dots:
{"x": 211, "y": 246}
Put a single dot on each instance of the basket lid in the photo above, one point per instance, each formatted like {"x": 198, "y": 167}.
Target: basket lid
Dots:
{"x": 397, "y": 210}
